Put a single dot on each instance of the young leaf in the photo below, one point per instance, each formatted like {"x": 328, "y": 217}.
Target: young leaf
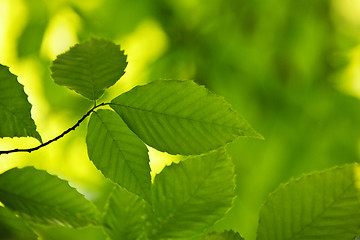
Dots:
{"x": 118, "y": 153}
{"x": 226, "y": 235}
{"x": 180, "y": 117}
{"x": 322, "y": 205}
{"x": 15, "y": 110}
{"x": 190, "y": 196}
{"x": 12, "y": 227}
{"x": 44, "y": 198}
{"x": 90, "y": 67}
{"x": 124, "y": 216}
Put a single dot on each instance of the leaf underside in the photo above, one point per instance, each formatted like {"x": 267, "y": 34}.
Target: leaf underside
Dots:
{"x": 90, "y": 67}
{"x": 180, "y": 117}
{"x": 322, "y": 205}
{"x": 190, "y": 196}
{"x": 118, "y": 153}
{"x": 15, "y": 110}
{"x": 40, "y": 197}
{"x": 124, "y": 215}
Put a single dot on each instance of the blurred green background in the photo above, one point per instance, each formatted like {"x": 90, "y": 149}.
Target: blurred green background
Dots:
{"x": 291, "y": 68}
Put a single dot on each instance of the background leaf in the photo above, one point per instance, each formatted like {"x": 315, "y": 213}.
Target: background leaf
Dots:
{"x": 12, "y": 227}
{"x": 124, "y": 216}
{"x": 44, "y": 198}
{"x": 190, "y": 196}
{"x": 226, "y": 235}
{"x": 180, "y": 117}
{"x": 90, "y": 67}
{"x": 56, "y": 232}
{"x": 322, "y": 205}
{"x": 118, "y": 153}
{"x": 15, "y": 110}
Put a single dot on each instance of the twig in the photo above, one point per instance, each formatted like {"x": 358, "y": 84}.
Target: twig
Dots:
{"x": 29, "y": 150}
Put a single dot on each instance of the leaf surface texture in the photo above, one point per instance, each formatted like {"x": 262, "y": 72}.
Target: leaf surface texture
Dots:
{"x": 44, "y": 198}
{"x": 190, "y": 196}
{"x": 322, "y": 205}
{"x": 124, "y": 216}
{"x": 180, "y": 117}
{"x": 90, "y": 67}
{"x": 15, "y": 109}
{"x": 118, "y": 153}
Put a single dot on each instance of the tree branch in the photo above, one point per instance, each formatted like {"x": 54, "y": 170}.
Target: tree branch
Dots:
{"x": 29, "y": 150}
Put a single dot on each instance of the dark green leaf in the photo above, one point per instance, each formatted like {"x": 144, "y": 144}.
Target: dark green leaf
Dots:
{"x": 190, "y": 196}
{"x": 118, "y": 153}
{"x": 15, "y": 110}
{"x": 44, "y": 198}
{"x": 12, "y": 227}
{"x": 56, "y": 232}
{"x": 124, "y": 216}
{"x": 90, "y": 67}
{"x": 227, "y": 235}
{"x": 180, "y": 117}
{"x": 322, "y": 205}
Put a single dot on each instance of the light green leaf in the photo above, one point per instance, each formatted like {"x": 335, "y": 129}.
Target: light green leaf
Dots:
{"x": 90, "y": 67}
{"x": 15, "y": 110}
{"x": 180, "y": 117}
{"x": 118, "y": 153}
{"x": 44, "y": 198}
{"x": 226, "y": 235}
{"x": 124, "y": 217}
{"x": 13, "y": 227}
{"x": 190, "y": 196}
{"x": 322, "y": 205}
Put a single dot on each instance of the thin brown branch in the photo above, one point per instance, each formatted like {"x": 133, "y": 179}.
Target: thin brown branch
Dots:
{"x": 29, "y": 150}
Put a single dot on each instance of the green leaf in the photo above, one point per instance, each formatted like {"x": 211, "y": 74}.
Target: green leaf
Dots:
{"x": 180, "y": 117}
{"x": 13, "y": 227}
{"x": 118, "y": 153}
{"x": 226, "y": 235}
{"x": 322, "y": 205}
{"x": 124, "y": 216}
{"x": 15, "y": 110}
{"x": 90, "y": 67}
{"x": 38, "y": 196}
{"x": 56, "y": 232}
{"x": 190, "y": 196}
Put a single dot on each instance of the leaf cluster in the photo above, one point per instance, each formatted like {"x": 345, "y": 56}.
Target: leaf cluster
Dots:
{"x": 185, "y": 199}
{"x": 178, "y": 117}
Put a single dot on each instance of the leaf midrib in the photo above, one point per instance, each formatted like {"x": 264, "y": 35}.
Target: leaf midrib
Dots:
{"x": 48, "y": 206}
{"x": 174, "y": 213}
{"x": 174, "y": 116}
{"x": 319, "y": 216}
{"x": 122, "y": 154}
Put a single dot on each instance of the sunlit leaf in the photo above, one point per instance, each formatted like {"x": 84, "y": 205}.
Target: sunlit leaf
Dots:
{"x": 322, "y": 205}
{"x": 190, "y": 196}
{"x": 180, "y": 117}
{"x": 118, "y": 152}
{"x": 12, "y": 227}
{"x": 90, "y": 67}
{"x": 124, "y": 216}
{"x": 226, "y": 235}
{"x": 15, "y": 110}
{"x": 44, "y": 198}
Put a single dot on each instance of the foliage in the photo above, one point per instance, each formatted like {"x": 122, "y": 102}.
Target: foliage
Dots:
{"x": 289, "y": 66}
{"x": 172, "y": 116}
{"x": 186, "y": 198}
